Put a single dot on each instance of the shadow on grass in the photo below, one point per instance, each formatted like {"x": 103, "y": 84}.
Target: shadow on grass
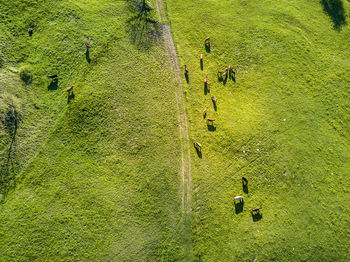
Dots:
{"x": 201, "y": 64}
{"x": 239, "y": 207}
{"x": 206, "y": 89}
{"x": 199, "y": 153}
{"x": 245, "y": 188}
{"x": 70, "y": 97}
{"x": 9, "y": 120}
{"x": 335, "y": 10}
{"x": 87, "y": 56}
{"x": 224, "y": 81}
{"x": 207, "y": 48}
{"x": 211, "y": 128}
{"x": 256, "y": 216}
{"x": 144, "y": 30}
{"x": 187, "y": 78}
{"x": 53, "y": 85}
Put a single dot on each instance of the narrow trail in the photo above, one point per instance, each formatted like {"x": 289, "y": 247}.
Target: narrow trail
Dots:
{"x": 185, "y": 164}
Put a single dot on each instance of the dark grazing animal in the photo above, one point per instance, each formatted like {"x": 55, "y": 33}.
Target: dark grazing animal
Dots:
{"x": 186, "y": 69}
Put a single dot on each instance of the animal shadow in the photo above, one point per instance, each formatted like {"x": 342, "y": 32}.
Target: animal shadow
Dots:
{"x": 225, "y": 79}
{"x": 87, "y": 56}
{"x": 245, "y": 188}
{"x": 199, "y": 153}
{"x": 187, "y": 78}
{"x": 206, "y": 89}
{"x": 215, "y": 106}
{"x": 256, "y": 216}
{"x": 53, "y": 85}
{"x": 207, "y": 48}
{"x": 201, "y": 64}
{"x": 211, "y": 128}
{"x": 70, "y": 97}
{"x": 239, "y": 207}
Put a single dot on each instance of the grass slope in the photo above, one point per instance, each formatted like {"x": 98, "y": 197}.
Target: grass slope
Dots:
{"x": 95, "y": 179}
{"x": 284, "y": 124}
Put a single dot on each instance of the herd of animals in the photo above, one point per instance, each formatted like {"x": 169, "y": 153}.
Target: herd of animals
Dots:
{"x": 231, "y": 74}
{"x": 228, "y": 72}
{"x": 54, "y": 77}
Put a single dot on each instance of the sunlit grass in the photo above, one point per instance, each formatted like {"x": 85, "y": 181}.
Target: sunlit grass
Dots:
{"x": 283, "y": 124}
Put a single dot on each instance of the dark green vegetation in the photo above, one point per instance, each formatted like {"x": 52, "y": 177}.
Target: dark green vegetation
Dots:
{"x": 93, "y": 176}
{"x": 284, "y": 124}
{"x": 335, "y": 9}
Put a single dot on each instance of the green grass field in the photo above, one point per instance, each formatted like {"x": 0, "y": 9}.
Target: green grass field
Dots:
{"x": 95, "y": 176}
{"x": 284, "y": 124}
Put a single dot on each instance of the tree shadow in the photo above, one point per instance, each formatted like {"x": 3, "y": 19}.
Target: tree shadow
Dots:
{"x": 335, "y": 10}
{"x": 70, "y": 97}
{"x": 87, "y": 55}
{"x": 53, "y": 85}
{"x": 199, "y": 152}
{"x": 10, "y": 122}
{"x": 144, "y": 30}
{"x": 239, "y": 207}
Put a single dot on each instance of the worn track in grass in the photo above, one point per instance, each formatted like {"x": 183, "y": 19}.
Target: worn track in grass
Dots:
{"x": 185, "y": 164}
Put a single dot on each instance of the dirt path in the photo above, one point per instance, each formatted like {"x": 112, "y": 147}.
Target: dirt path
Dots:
{"x": 185, "y": 165}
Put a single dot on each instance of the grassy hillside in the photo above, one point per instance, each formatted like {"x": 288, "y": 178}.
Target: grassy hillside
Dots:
{"x": 284, "y": 124}
{"x": 93, "y": 176}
